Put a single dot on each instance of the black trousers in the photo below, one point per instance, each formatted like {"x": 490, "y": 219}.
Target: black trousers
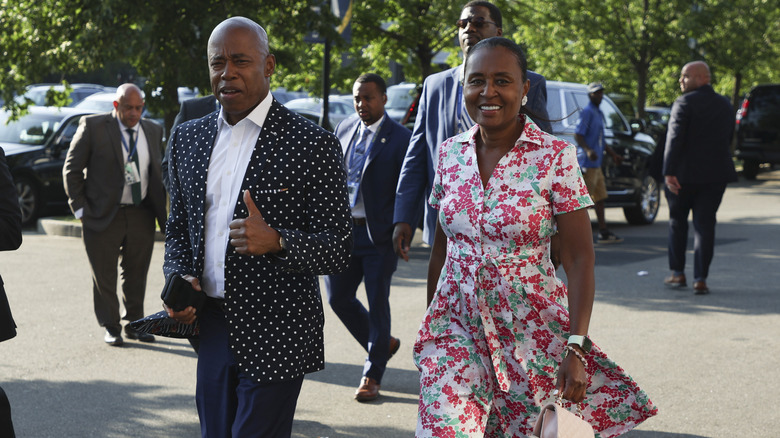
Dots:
{"x": 6, "y": 425}
{"x": 703, "y": 200}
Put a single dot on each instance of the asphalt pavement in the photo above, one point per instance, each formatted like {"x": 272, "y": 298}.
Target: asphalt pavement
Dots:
{"x": 708, "y": 362}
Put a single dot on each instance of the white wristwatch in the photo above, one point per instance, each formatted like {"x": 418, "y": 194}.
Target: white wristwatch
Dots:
{"x": 581, "y": 341}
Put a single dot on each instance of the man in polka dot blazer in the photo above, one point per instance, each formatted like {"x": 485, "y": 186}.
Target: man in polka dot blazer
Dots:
{"x": 259, "y": 208}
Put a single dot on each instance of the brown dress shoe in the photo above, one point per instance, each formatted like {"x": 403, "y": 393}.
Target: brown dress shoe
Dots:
{"x": 395, "y": 344}
{"x": 675, "y": 281}
{"x": 368, "y": 390}
{"x": 700, "y": 288}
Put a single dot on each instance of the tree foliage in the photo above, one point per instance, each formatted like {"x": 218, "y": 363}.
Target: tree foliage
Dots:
{"x": 635, "y": 47}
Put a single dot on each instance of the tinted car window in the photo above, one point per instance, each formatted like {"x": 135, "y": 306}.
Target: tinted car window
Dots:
{"x": 764, "y": 107}
{"x": 612, "y": 118}
{"x": 32, "y": 129}
{"x": 67, "y": 133}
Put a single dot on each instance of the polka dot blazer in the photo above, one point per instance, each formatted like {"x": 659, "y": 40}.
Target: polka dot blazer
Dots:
{"x": 273, "y": 304}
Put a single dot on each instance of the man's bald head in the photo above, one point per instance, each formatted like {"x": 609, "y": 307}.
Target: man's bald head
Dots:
{"x": 240, "y": 23}
{"x": 240, "y": 66}
{"x": 129, "y": 104}
{"x": 694, "y": 75}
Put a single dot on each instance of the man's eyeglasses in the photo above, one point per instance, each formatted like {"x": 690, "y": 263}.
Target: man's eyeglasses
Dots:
{"x": 477, "y": 22}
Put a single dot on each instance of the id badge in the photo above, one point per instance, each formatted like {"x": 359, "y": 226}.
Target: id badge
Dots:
{"x": 131, "y": 173}
{"x": 352, "y": 190}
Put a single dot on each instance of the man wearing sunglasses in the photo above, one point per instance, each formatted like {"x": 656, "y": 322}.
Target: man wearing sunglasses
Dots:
{"x": 441, "y": 115}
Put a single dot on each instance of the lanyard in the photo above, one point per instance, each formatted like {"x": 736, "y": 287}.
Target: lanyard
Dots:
{"x": 127, "y": 148}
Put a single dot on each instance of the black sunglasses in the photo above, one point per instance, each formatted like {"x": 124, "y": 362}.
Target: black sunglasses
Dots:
{"x": 477, "y": 22}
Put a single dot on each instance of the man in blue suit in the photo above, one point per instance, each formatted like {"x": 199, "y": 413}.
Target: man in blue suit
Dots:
{"x": 441, "y": 115}
{"x": 374, "y": 146}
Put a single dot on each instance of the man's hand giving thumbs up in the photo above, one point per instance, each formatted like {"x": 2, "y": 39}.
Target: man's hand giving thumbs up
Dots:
{"x": 252, "y": 235}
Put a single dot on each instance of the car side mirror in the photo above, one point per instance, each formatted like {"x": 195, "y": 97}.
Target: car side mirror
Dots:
{"x": 59, "y": 149}
{"x": 637, "y": 125}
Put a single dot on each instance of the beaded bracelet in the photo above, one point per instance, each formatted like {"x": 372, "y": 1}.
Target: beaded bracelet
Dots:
{"x": 577, "y": 353}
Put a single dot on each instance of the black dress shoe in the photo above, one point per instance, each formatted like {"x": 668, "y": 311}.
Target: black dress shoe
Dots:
{"x": 135, "y": 334}
{"x": 113, "y": 337}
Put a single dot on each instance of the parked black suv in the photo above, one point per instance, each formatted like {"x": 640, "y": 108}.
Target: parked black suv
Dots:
{"x": 35, "y": 147}
{"x": 758, "y": 129}
{"x": 630, "y": 185}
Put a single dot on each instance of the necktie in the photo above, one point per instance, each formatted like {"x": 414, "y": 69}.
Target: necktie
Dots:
{"x": 358, "y": 157}
{"x": 135, "y": 188}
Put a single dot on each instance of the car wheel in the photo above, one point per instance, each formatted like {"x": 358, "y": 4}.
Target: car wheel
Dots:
{"x": 646, "y": 208}
{"x": 750, "y": 168}
{"x": 29, "y": 201}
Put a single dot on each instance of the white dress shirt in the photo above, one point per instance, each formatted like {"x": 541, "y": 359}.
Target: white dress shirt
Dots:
{"x": 230, "y": 158}
{"x": 142, "y": 149}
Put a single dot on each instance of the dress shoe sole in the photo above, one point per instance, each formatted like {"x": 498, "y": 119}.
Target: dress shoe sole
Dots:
{"x": 139, "y": 338}
{"x": 116, "y": 343}
{"x": 704, "y": 291}
{"x": 675, "y": 285}
{"x": 366, "y": 398}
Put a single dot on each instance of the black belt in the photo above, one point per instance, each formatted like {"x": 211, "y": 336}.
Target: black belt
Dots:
{"x": 359, "y": 221}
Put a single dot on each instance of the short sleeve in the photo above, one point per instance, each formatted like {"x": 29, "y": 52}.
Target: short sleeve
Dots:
{"x": 569, "y": 192}
{"x": 585, "y": 121}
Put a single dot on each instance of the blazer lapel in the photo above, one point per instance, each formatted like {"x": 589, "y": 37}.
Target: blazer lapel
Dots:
{"x": 380, "y": 140}
{"x": 265, "y": 144}
{"x": 115, "y": 139}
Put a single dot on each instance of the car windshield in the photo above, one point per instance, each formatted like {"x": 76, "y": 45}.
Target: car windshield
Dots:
{"x": 400, "y": 98}
{"x": 96, "y": 105}
{"x": 32, "y": 129}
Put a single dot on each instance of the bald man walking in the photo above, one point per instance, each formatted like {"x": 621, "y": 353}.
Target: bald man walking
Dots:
{"x": 697, "y": 168}
{"x": 117, "y": 200}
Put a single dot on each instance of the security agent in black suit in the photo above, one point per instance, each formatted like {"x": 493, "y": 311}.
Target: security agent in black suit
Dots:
{"x": 191, "y": 109}
{"x": 10, "y": 239}
{"x": 697, "y": 167}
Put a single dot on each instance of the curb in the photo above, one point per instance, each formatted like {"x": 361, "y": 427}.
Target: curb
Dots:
{"x": 54, "y": 227}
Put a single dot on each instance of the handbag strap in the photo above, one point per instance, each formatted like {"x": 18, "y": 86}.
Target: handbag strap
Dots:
{"x": 559, "y": 402}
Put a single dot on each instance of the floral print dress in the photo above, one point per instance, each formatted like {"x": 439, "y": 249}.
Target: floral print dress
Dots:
{"x": 491, "y": 341}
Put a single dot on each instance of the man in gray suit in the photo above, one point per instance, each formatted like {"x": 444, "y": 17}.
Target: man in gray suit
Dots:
{"x": 117, "y": 200}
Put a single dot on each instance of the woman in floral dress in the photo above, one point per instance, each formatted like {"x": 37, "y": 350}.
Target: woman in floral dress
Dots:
{"x": 491, "y": 346}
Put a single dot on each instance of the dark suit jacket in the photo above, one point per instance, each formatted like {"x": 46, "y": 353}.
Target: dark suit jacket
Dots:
{"x": 10, "y": 239}
{"x": 380, "y": 174}
{"x": 273, "y": 304}
{"x": 190, "y": 109}
{"x": 97, "y": 147}
{"x": 435, "y": 123}
{"x": 699, "y": 136}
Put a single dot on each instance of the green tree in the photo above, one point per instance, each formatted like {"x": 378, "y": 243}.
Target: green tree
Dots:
{"x": 740, "y": 40}
{"x": 618, "y": 42}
